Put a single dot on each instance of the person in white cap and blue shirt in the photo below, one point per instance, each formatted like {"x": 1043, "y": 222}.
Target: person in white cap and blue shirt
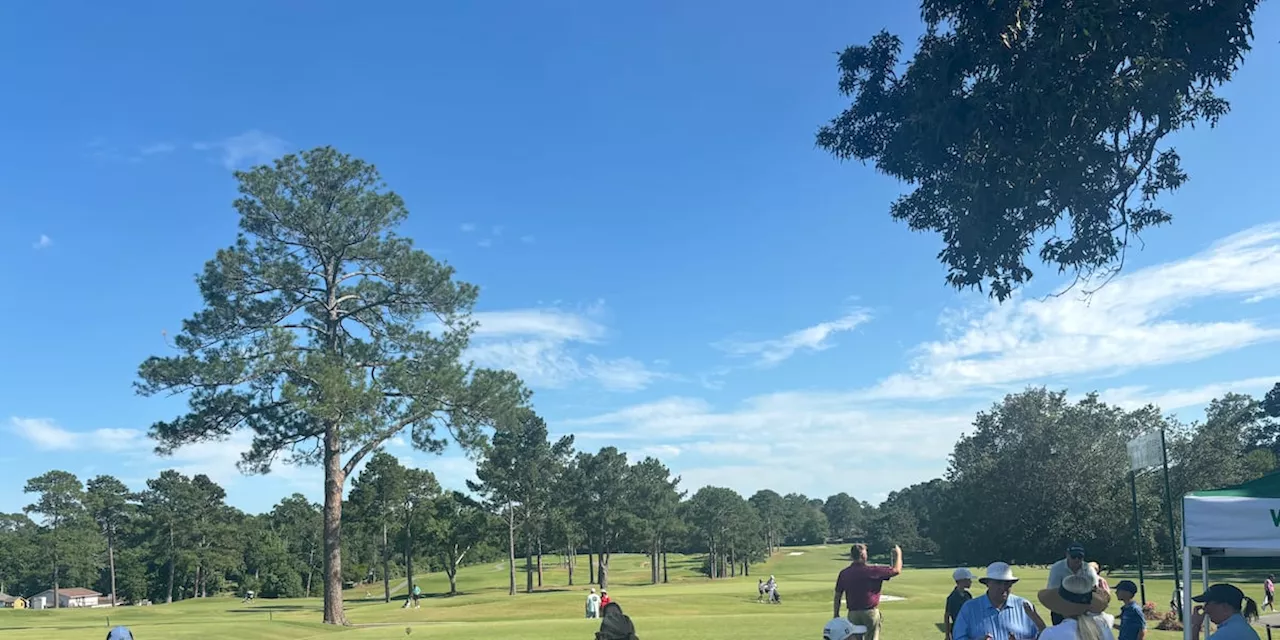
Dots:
{"x": 998, "y": 614}
{"x": 956, "y": 599}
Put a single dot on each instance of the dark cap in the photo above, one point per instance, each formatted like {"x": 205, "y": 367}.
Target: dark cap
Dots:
{"x": 1126, "y": 585}
{"x": 1076, "y": 550}
{"x": 1222, "y": 593}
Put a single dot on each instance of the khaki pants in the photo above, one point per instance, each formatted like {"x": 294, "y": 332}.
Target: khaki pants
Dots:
{"x": 869, "y": 618}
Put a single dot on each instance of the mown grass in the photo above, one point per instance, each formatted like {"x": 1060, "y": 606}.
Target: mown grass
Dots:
{"x": 690, "y": 608}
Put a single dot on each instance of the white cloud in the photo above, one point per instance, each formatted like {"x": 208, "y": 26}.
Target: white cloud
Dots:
{"x": 814, "y": 338}
{"x": 621, "y": 374}
{"x": 1133, "y": 397}
{"x": 467, "y": 227}
{"x": 870, "y": 438}
{"x": 1126, "y": 325}
{"x": 549, "y": 324}
{"x": 541, "y": 346}
{"x": 45, "y": 435}
{"x": 158, "y": 148}
{"x": 785, "y": 441}
{"x": 247, "y": 149}
{"x": 43, "y": 242}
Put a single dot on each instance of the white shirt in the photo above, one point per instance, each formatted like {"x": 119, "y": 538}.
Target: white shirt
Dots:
{"x": 1060, "y": 571}
{"x": 1066, "y": 630}
{"x": 593, "y": 602}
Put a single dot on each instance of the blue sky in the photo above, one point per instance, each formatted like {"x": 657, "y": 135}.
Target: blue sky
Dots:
{"x": 662, "y": 252}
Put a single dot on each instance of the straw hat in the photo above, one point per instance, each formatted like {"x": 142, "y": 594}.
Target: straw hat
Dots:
{"x": 1075, "y": 597}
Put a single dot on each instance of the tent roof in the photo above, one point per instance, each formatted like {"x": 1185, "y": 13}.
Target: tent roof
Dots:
{"x": 1267, "y": 486}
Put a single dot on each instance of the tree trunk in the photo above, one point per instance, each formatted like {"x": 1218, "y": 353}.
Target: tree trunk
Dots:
{"x": 572, "y": 559}
{"x": 311, "y": 567}
{"x": 55, "y": 580}
{"x": 408, "y": 554}
{"x": 539, "y": 563}
{"x": 195, "y": 586}
{"x": 664, "y": 567}
{"x": 591, "y": 565}
{"x": 172, "y": 561}
{"x": 604, "y": 568}
{"x": 334, "y": 477}
{"x": 453, "y": 580}
{"x": 528, "y": 567}
{"x": 511, "y": 549}
{"x": 386, "y": 566}
{"x": 111, "y": 562}
{"x": 733, "y": 564}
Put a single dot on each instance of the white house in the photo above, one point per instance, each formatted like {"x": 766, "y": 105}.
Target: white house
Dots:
{"x": 67, "y": 598}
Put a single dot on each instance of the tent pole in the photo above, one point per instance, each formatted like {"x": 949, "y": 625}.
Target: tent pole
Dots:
{"x": 1168, "y": 507}
{"x": 1137, "y": 534}
{"x": 1204, "y": 577}
{"x": 1184, "y": 595}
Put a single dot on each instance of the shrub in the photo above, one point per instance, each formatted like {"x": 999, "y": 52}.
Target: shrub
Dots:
{"x": 1170, "y": 622}
{"x": 1149, "y": 612}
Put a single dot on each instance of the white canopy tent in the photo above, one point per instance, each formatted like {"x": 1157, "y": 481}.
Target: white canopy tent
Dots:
{"x": 1236, "y": 521}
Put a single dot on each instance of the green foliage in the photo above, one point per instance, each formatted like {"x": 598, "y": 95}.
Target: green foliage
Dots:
{"x": 1025, "y": 122}
{"x": 313, "y": 335}
{"x": 844, "y": 516}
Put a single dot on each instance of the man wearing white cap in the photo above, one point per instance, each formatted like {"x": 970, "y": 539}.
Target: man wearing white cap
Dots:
{"x": 841, "y": 629}
{"x": 998, "y": 614}
{"x": 957, "y": 598}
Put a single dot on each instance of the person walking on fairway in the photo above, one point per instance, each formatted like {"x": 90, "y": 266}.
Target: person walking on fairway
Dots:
{"x": 593, "y": 604}
{"x": 956, "y": 599}
{"x": 859, "y": 585}
{"x": 417, "y": 594}
{"x": 1269, "y": 593}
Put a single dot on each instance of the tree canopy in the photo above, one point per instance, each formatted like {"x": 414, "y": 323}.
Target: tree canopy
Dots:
{"x": 324, "y": 333}
{"x": 1025, "y": 123}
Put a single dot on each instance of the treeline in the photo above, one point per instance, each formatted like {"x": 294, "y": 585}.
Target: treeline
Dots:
{"x": 1035, "y": 470}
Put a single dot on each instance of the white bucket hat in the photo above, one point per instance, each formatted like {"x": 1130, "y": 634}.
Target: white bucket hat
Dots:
{"x": 839, "y": 629}
{"x": 962, "y": 574}
{"x": 1000, "y": 572}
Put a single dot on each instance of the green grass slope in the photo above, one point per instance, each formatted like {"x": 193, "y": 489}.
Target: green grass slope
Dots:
{"x": 690, "y": 608}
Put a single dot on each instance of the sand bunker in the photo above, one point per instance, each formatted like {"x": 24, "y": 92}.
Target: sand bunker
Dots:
{"x": 796, "y": 553}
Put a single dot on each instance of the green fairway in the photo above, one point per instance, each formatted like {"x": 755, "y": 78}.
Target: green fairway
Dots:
{"x": 689, "y": 608}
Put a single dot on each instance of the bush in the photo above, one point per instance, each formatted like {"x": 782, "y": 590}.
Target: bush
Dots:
{"x": 1149, "y": 612}
{"x": 1170, "y": 622}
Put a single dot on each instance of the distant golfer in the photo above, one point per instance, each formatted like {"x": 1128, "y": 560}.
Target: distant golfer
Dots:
{"x": 859, "y": 584}
{"x": 593, "y": 604}
{"x": 956, "y": 599}
{"x": 1269, "y": 593}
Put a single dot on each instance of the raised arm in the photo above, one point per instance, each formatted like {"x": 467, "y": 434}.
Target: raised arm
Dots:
{"x": 897, "y": 561}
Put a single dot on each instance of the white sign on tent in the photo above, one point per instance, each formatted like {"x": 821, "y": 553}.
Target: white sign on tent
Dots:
{"x": 1145, "y": 451}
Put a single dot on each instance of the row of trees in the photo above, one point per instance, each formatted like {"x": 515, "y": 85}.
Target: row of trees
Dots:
{"x": 1047, "y": 469}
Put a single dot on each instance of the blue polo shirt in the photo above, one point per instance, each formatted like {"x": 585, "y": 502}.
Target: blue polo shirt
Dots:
{"x": 1132, "y": 622}
{"x": 1234, "y": 628}
{"x": 978, "y": 619}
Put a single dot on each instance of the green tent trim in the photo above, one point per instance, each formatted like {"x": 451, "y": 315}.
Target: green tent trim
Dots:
{"x": 1267, "y": 486}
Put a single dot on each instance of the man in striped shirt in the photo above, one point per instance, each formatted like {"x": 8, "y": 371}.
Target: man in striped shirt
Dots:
{"x": 998, "y": 614}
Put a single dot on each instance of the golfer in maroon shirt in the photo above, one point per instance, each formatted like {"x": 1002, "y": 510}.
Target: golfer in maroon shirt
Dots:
{"x": 859, "y": 583}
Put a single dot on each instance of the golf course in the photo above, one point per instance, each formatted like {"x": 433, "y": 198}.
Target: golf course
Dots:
{"x": 690, "y": 607}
